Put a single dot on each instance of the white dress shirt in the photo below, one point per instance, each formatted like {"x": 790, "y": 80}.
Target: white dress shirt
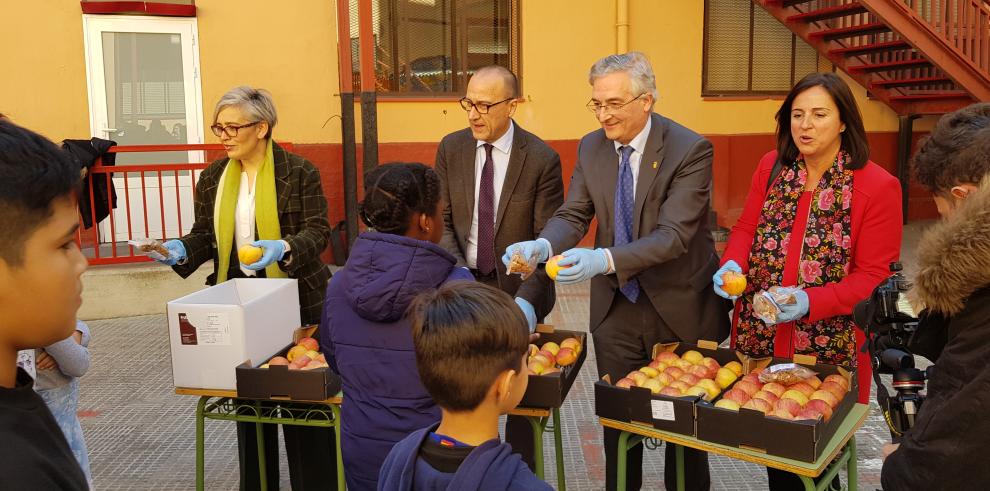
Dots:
{"x": 244, "y": 217}
{"x": 500, "y": 157}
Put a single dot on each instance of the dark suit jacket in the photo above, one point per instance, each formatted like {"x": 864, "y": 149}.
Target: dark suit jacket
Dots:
{"x": 672, "y": 253}
{"x": 302, "y": 216}
{"x": 532, "y": 191}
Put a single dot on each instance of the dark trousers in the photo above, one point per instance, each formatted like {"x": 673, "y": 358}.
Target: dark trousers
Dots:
{"x": 518, "y": 432}
{"x": 779, "y": 480}
{"x": 311, "y": 453}
{"x": 623, "y": 343}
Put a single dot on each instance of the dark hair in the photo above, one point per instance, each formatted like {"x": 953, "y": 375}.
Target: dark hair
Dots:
{"x": 939, "y": 164}
{"x": 396, "y": 190}
{"x": 509, "y": 78}
{"x": 33, "y": 173}
{"x": 465, "y": 335}
{"x": 853, "y": 138}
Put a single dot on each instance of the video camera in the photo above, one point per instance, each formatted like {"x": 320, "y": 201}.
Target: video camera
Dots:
{"x": 889, "y": 322}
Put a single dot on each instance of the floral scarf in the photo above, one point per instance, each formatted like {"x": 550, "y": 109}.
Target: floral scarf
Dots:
{"x": 824, "y": 259}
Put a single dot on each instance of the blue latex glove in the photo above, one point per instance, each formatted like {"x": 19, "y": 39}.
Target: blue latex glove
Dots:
{"x": 581, "y": 265}
{"x": 794, "y": 311}
{"x": 273, "y": 251}
{"x": 528, "y": 311}
{"x": 176, "y": 252}
{"x": 529, "y": 248}
{"x": 730, "y": 265}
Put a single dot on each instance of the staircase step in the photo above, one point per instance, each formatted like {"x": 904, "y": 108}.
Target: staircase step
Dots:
{"x": 829, "y": 13}
{"x": 907, "y": 82}
{"x": 870, "y": 48}
{"x": 790, "y": 3}
{"x": 852, "y": 31}
{"x": 891, "y": 65}
{"x": 931, "y": 96}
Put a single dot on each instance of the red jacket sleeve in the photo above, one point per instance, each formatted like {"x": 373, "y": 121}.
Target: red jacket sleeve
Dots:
{"x": 876, "y": 244}
{"x": 741, "y": 237}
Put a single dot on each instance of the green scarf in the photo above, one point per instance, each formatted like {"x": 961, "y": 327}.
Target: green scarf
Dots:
{"x": 265, "y": 211}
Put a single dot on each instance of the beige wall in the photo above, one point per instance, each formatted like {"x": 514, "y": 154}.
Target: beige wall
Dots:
{"x": 290, "y": 49}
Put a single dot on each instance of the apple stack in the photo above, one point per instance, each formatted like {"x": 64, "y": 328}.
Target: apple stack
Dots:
{"x": 552, "y": 357}
{"x": 304, "y": 355}
{"x": 808, "y": 398}
{"x": 690, "y": 374}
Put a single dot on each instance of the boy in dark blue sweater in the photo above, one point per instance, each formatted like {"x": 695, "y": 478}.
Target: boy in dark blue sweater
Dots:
{"x": 40, "y": 286}
{"x": 471, "y": 341}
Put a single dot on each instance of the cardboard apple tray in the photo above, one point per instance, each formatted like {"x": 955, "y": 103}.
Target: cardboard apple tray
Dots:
{"x": 802, "y": 440}
{"x": 548, "y": 391}
{"x": 278, "y": 382}
{"x": 665, "y": 413}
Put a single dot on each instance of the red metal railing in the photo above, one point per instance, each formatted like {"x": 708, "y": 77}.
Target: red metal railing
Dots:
{"x": 112, "y": 249}
{"x": 962, "y": 24}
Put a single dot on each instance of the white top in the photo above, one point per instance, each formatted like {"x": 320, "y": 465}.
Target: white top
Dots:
{"x": 500, "y": 157}
{"x": 639, "y": 146}
{"x": 244, "y": 223}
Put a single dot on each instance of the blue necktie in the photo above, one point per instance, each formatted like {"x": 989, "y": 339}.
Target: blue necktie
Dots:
{"x": 624, "y": 201}
{"x": 486, "y": 216}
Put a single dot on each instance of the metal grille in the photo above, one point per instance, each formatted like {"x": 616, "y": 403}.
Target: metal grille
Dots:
{"x": 431, "y": 47}
{"x": 747, "y": 51}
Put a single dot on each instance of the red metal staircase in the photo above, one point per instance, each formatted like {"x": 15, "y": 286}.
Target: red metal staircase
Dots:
{"x": 917, "y": 56}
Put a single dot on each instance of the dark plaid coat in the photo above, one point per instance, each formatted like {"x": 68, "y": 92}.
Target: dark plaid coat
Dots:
{"x": 302, "y": 216}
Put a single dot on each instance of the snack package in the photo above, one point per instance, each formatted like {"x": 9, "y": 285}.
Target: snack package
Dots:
{"x": 766, "y": 303}
{"x": 523, "y": 266}
{"x": 786, "y": 374}
{"x": 151, "y": 248}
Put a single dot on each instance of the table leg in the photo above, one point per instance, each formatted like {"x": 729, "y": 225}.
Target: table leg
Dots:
{"x": 851, "y": 465}
{"x": 341, "y": 485}
{"x": 679, "y": 454}
{"x": 200, "y": 442}
{"x": 538, "y": 426}
{"x": 259, "y": 430}
{"x": 558, "y": 445}
{"x": 809, "y": 483}
{"x": 620, "y": 461}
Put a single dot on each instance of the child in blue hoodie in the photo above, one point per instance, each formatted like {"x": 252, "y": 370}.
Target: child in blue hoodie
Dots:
{"x": 471, "y": 343}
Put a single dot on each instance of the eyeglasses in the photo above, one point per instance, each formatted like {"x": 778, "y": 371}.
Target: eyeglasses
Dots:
{"x": 481, "y": 107}
{"x": 610, "y": 107}
{"x": 231, "y": 129}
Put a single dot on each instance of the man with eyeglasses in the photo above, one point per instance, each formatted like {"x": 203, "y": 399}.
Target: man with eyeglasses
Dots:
{"x": 500, "y": 184}
{"x": 647, "y": 181}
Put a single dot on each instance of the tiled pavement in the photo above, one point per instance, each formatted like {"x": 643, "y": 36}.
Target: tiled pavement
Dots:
{"x": 142, "y": 436}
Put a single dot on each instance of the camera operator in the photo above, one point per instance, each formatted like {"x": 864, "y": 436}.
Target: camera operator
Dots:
{"x": 946, "y": 448}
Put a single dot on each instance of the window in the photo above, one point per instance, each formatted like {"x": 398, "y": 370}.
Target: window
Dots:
{"x": 431, "y": 47}
{"x": 749, "y": 52}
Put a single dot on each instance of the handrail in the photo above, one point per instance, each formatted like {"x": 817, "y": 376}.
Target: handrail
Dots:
{"x": 964, "y": 25}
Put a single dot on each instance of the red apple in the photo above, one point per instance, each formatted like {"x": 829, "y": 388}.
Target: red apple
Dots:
{"x": 552, "y": 347}
{"x": 674, "y": 372}
{"x": 727, "y": 404}
{"x": 552, "y": 358}
{"x": 310, "y": 344}
{"x": 795, "y": 395}
{"x": 638, "y": 377}
{"x": 699, "y": 371}
{"x": 667, "y": 357}
{"x": 295, "y": 352}
{"x": 665, "y": 379}
{"x": 825, "y": 396}
{"x": 566, "y": 357}
{"x": 766, "y": 396}
{"x": 314, "y": 364}
{"x": 680, "y": 385}
{"x": 724, "y": 377}
{"x": 777, "y": 389}
{"x": 808, "y": 413}
{"x": 278, "y": 360}
{"x": 550, "y": 371}
{"x": 711, "y": 363}
{"x": 682, "y": 364}
{"x": 671, "y": 391}
{"x": 791, "y": 406}
{"x": 542, "y": 359}
{"x": 697, "y": 391}
{"x": 839, "y": 379}
{"x": 837, "y": 390}
{"x": 813, "y": 381}
{"x": 536, "y": 366}
{"x": 752, "y": 379}
{"x": 689, "y": 379}
{"x": 710, "y": 386}
{"x": 820, "y": 406}
{"x": 736, "y": 395}
{"x": 652, "y": 384}
{"x": 302, "y": 360}
{"x": 625, "y": 383}
{"x": 781, "y": 413}
{"x": 573, "y": 343}
{"x": 650, "y": 372}
{"x": 693, "y": 357}
{"x": 803, "y": 388}
{"x": 758, "y": 405}
{"x": 747, "y": 387}
{"x": 736, "y": 367}
{"x": 659, "y": 365}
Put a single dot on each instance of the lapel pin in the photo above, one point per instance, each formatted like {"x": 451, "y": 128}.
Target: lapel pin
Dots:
{"x": 654, "y": 164}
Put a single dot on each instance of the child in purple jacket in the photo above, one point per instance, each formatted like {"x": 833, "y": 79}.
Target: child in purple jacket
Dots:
{"x": 471, "y": 342}
{"x": 364, "y": 333}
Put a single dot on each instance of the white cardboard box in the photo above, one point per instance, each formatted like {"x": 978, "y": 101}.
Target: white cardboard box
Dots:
{"x": 214, "y": 330}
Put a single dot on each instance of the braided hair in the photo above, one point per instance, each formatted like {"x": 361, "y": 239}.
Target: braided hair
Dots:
{"x": 393, "y": 192}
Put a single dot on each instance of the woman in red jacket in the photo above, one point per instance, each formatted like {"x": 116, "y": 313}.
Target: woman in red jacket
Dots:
{"x": 824, "y": 218}
{"x": 821, "y": 216}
